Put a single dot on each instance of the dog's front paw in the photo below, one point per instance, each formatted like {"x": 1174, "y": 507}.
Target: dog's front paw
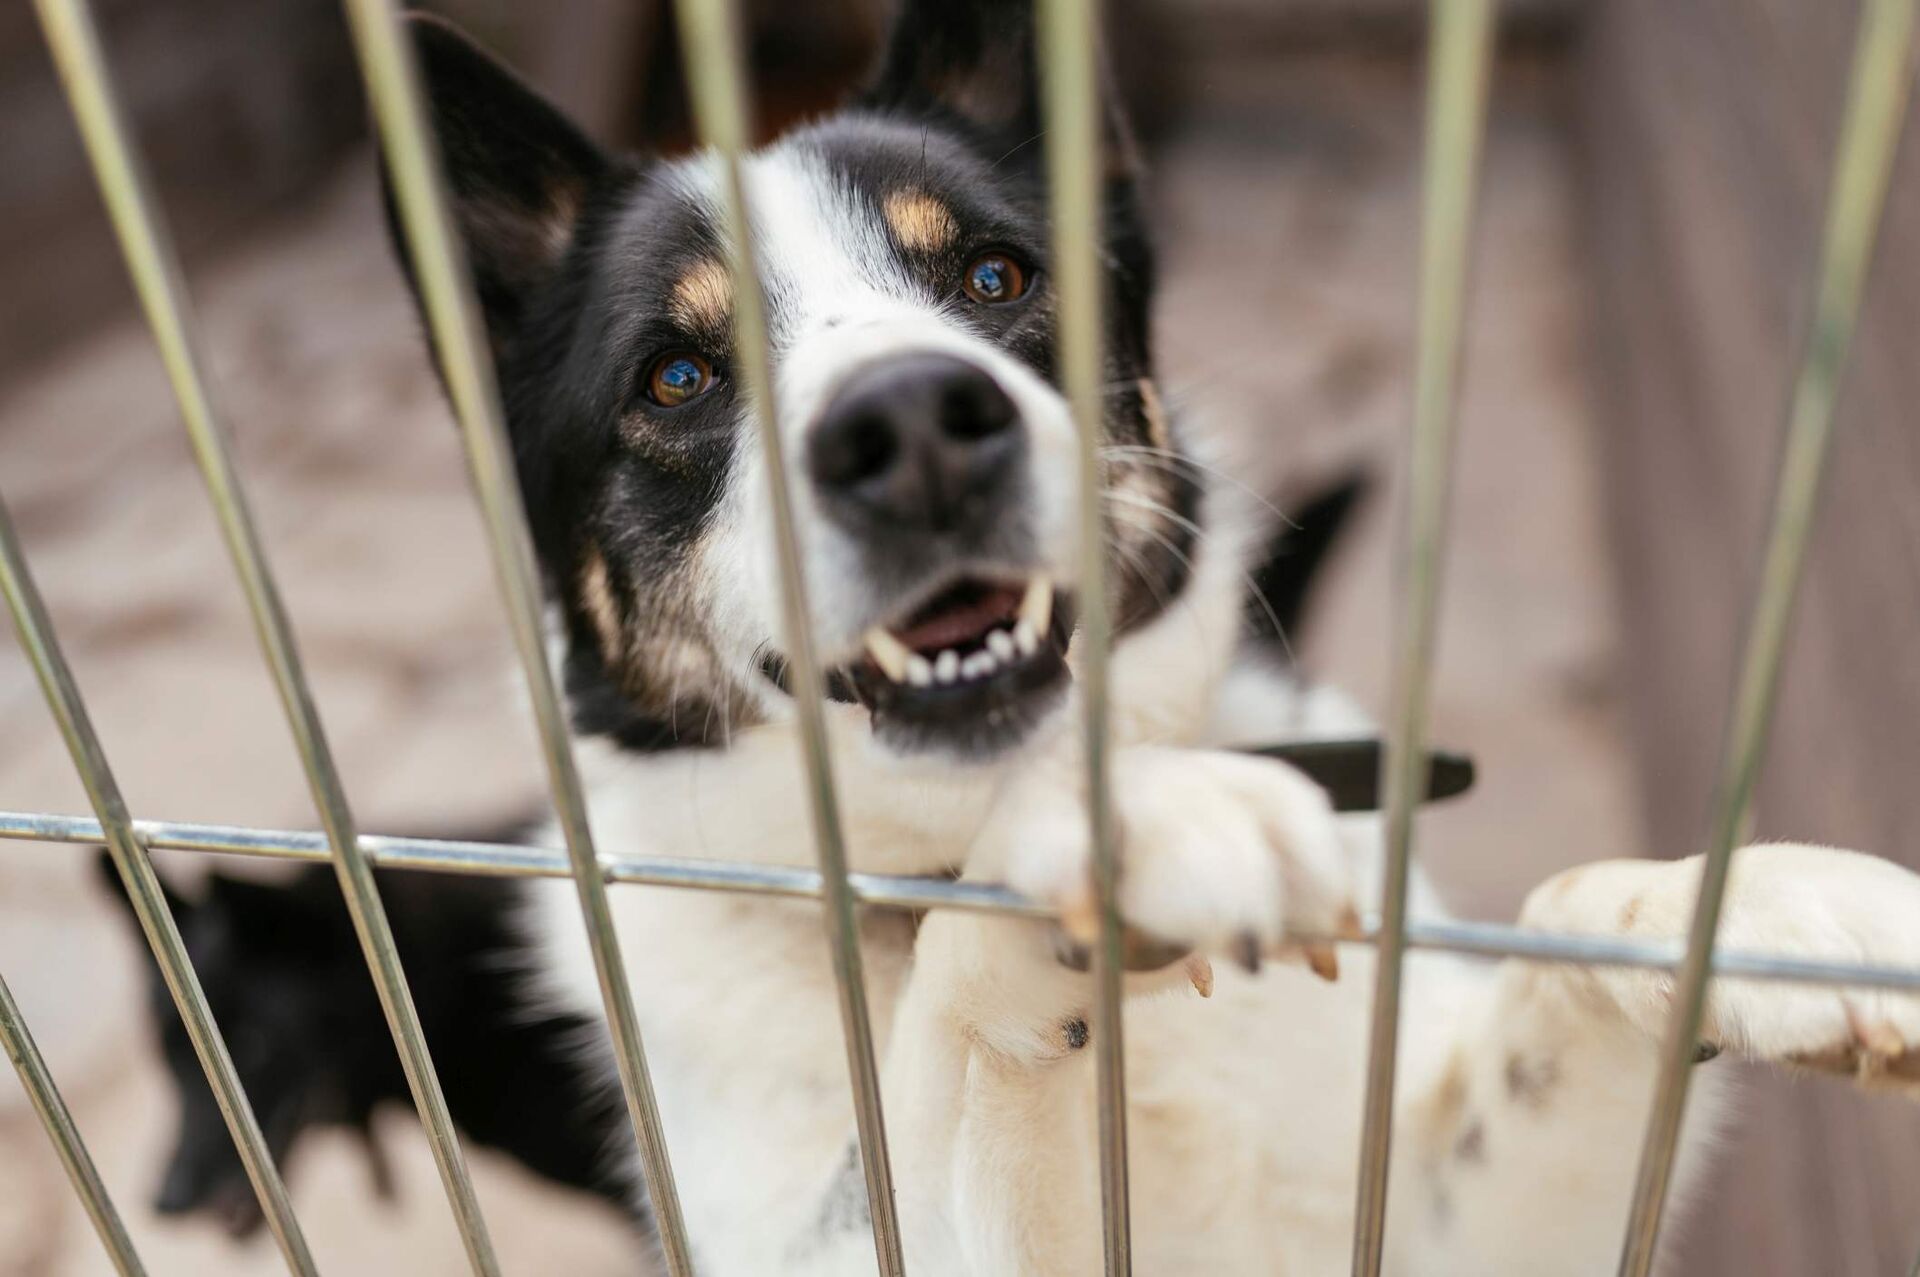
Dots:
{"x": 1783, "y": 898}
{"x": 1216, "y": 851}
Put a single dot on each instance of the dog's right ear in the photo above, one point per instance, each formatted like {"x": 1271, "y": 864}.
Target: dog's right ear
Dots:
{"x": 974, "y": 61}
{"x": 518, "y": 172}
{"x": 977, "y": 62}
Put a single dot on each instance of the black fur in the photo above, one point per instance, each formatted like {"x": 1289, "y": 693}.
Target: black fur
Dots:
{"x": 1294, "y": 559}
{"x": 289, "y": 988}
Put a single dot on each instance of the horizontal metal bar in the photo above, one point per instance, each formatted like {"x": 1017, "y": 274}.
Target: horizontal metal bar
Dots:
{"x": 1458, "y": 68}
{"x": 897, "y": 891}
{"x": 446, "y": 288}
{"x": 54, "y": 1115}
{"x": 139, "y": 224}
{"x": 513, "y": 860}
{"x": 42, "y": 647}
{"x": 716, "y": 84}
{"x": 1878, "y": 89}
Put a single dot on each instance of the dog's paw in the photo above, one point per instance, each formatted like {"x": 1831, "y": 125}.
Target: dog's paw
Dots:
{"x": 1806, "y": 902}
{"x": 1217, "y": 851}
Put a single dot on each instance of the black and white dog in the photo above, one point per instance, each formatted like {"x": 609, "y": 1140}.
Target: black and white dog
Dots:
{"x": 905, "y": 254}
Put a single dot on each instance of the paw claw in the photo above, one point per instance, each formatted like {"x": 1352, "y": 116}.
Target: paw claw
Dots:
{"x": 1139, "y": 951}
{"x": 1080, "y": 917}
{"x": 1877, "y": 1054}
{"x": 1200, "y": 973}
{"x": 1070, "y": 953}
{"x": 1323, "y": 961}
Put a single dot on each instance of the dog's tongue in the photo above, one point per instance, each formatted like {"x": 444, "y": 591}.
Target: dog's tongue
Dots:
{"x": 959, "y": 616}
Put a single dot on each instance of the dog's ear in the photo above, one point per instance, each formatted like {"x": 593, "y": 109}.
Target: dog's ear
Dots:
{"x": 177, "y": 904}
{"x": 518, "y": 172}
{"x": 976, "y": 61}
{"x": 1297, "y": 554}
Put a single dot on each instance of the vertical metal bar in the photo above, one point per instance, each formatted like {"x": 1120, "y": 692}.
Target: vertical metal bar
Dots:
{"x": 1068, "y": 36}
{"x": 45, "y": 1097}
{"x": 1877, "y": 95}
{"x": 710, "y": 48}
{"x": 393, "y": 87}
{"x": 143, "y": 891}
{"x": 1459, "y": 52}
{"x": 151, "y": 260}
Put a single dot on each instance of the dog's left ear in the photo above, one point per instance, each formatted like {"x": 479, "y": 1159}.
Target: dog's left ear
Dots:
{"x": 977, "y": 62}
{"x": 1296, "y": 556}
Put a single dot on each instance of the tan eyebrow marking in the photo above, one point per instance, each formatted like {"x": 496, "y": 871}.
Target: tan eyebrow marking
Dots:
{"x": 919, "y": 221}
{"x": 703, "y": 298}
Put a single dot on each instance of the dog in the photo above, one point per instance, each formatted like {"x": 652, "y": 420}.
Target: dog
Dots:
{"x": 288, "y": 985}
{"x": 904, "y": 247}
{"x": 286, "y": 978}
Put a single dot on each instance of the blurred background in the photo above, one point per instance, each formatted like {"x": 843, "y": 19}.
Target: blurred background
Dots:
{"x": 1653, "y": 186}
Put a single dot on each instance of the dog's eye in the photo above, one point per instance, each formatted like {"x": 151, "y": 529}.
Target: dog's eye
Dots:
{"x": 993, "y": 278}
{"x": 678, "y": 377}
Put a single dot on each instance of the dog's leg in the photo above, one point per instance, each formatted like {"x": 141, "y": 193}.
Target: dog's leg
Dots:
{"x": 990, "y": 1076}
{"x": 983, "y": 1034}
{"x": 1517, "y": 1148}
{"x": 988, "y": 1086}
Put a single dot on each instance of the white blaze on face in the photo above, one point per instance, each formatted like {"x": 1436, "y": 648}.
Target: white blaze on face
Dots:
{"x": 838, "y": 299}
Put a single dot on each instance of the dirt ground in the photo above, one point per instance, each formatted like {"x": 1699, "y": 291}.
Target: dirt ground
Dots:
{"x": 1289, "y": 208}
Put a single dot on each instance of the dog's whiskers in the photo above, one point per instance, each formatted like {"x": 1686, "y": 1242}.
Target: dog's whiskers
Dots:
{"x": 1200, "y": 535}
{"x": 1167, "y": 459}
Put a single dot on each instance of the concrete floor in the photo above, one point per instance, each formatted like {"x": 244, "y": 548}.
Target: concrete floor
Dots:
{"x": 1289, "y": 208}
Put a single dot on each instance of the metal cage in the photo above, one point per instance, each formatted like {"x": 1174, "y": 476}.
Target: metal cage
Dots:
{"x": 1461, "y": 42}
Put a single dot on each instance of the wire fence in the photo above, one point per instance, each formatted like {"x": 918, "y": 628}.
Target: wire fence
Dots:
{"x": 1460, "y": 54}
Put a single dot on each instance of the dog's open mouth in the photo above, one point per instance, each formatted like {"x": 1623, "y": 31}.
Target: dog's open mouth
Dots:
{"x": 971, "y": 632}
{"x": 971, "y": 668}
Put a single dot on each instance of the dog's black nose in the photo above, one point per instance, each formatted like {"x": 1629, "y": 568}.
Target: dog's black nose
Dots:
{"x": 922, "y": 442}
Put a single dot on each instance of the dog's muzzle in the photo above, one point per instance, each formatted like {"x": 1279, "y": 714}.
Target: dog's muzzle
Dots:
{"x": 915, "y": 452}
{"x": 920, "y": 460}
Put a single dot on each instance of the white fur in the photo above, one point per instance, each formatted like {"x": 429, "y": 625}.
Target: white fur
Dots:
{"x": 839, "y": 299}
{"x": 1245, "y": 1107}
{"x": 1522, "y": 1089}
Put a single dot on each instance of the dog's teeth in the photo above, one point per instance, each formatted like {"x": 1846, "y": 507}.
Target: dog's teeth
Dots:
{"x": 919, "y": 670}
{"x": 979, "y": 665}
{"x": 1025, "y": 641}
{"x": 1036, "y": 608}
{"x": 889, "y": 653}
{"x": 1000, "y": 643}
{"x": 946, "y": 666}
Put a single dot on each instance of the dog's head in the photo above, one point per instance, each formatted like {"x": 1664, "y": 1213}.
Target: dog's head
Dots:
{"x": 282, "y": 974}
{"x": 903, "y": 243}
